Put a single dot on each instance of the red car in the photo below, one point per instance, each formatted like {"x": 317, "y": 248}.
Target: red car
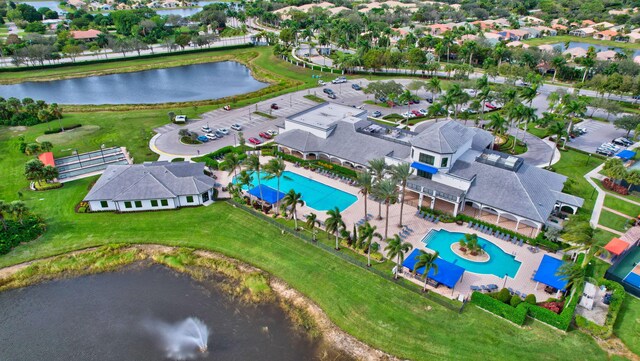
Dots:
{"x": 489, "y": 105}
{"x": 416, "y": 113}
{"x": 275, "y": 106}
{"x": 264, "y": 135}
{"x": 255, "y": 141}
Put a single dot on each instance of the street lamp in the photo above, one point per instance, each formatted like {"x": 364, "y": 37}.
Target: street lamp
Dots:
{"x": 504, "y": 284}
{"x": 102, "y": 153}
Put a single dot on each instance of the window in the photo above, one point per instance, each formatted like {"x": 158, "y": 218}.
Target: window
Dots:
{"x": 444, "y": 162}
{"x": 164, "y": 202}
{"x": 127, "y": 204}
{"x": 424, "y": 174}
{"x": 189, "y": 199}
{"x": 426, "y": 159}
{"x": 138, "y": 204}
{"x": 104, "y": 204}
{"x": 154, "y": 203}
{"x": 412, "y": 153}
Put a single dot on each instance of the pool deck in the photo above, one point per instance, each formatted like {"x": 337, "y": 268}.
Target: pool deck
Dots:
{"x": 529, "y": 261}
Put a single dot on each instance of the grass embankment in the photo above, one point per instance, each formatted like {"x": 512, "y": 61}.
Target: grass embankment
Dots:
{"x": 627, "y": 326}
{"x": 374, "y": 310}
{"x": 567, "y": 38}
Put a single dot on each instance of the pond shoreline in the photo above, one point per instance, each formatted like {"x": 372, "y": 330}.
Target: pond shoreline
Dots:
{"x": 300, "y": 309}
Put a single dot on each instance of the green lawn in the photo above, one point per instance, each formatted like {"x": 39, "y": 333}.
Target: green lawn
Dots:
{"x": 627, "y": 326}
{"x": 621, "y": 206}
{"x": 575, "y": 165}
{"x": 566, "y": 38}
{"x": 613, "y": 221}
{"x": 603, "y": 237}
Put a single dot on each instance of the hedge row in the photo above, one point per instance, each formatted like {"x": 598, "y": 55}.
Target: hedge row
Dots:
{"x": 58, "y": 130}
{"x": 605, "y": 331}
{"x": 516, "y": 315}
{"x": 15, "y": 233}
{"x": 337, "y": 169}
{"x": 210, "y": 158}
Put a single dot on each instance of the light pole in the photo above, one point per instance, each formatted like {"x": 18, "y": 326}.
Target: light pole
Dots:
{"x": 102, "y": 153}
{"x": 505, "y": 281}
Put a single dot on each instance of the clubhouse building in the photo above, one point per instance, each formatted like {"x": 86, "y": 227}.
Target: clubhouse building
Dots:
{"x": 151, "y": 186}
{"x": 455, "y": 168}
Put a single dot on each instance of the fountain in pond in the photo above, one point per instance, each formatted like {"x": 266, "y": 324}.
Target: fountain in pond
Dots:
{"x": 183, "y": 340}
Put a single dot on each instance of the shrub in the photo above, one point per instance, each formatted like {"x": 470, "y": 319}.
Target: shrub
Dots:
{"x": 503, "y": 296}
{"x": 43, "y": 186}
{"x": 515, "y": 300}
{"x": 617, "y": 297}
{"x": 175, "y": 160}
{"x": 15, "y": 233}
{"x": 516, "y": 315}
{"x": 58, "y": 130}
{"x": 530, "y": 299}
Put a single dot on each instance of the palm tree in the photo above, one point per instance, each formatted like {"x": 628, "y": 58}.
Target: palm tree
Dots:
{"x": 497, "y": 123}
{"x": 19, "y": 210}
{"x": 244, "y": 180}
{"x": 334, "y": 223}
{"x": 275, "y": 169}
{"x": 292, "y": 199}
{"x": 557, "y": 63}
{"x": 574, "y": 108}
{"x": 558, "y": 130}
{"x": 311, "y": 223}
{"x": 428, "y": 261}
{"x": 46, "y": 146}
{"x": 388, "y": 191}
{"x": 633, "y": 178}
{"x": 527, "y": 114}
{"x": 379, "y": 169}
{"x": 406, "y": 96}
{"x": 367, "y": 232}
{"x": 231, "y": 163}
{"x": 33, "y": 170}
{"x": 434, "y": 87}
{"x": 252, "y": 163}
{"x": 50, "y": 173}
{"x": 397, "y": 248}
{"x": 4, "y": 207}
{"x": 364, "y": 180}
{"x": 401, "y": 173}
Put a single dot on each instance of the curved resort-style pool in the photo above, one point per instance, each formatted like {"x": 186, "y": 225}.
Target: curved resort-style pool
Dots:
{"x": 316, "y": 195}
{"x": 499, "y": 263}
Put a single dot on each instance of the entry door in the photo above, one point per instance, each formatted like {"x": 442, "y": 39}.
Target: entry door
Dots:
{"x": 205, "y": 197}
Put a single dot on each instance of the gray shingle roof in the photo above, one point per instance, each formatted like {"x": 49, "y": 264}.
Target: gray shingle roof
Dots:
{"x": 529, "y": 192}
{"x": 443, "y": 137}
{"x": 344, "y": 143}
{"x": 157, "y": 180}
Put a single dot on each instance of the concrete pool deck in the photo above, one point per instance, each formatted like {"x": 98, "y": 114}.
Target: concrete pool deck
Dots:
{"x": 522, "y": 281}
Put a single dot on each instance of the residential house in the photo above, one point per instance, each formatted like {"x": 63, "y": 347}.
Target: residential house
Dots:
{"x": 518, "y": 44}
{"x": 438, "y": 29}
{"x": 606, "y": 35}
{"x": 603, "y": 25}
{"x": 636, "y": 59}
{"x": 86, "y": 35}
{"x": 455, "y": 169}
{"x": 583, "y": 32}
{"x": 574, "y": 53}
{"x": 588, "y": 23}
{"x": 151, "y": 186}
{"x": 606, "y": 55}
{"x": 533, "y": 32}
{"x": 545, "y": 31}
{"x": 634, "y": 37}
{"x": 560, "y": 27}
{"x": 531, "y": 20}
{"x": 546, "y": 48}
{"x": 514, "y": 34}
{"x": 493, "y": 38}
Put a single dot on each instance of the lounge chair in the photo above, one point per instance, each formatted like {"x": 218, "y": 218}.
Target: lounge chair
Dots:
{"x": 475, "y": 288}
{"x": 469, "y": 224}
{"x": 437, "y": 220}
{"x": 508, "y": 238}
{"x": 485, "y": 288}
{"x": 493, "y": 286}
{"x": 518, "y": 293}
{"x": 418, "y": 213}
{"x": 521, "y": 242}
{"x": 511, "y": 290}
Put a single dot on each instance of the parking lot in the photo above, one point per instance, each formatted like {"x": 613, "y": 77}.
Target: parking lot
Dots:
{"x": 597, "y": 134}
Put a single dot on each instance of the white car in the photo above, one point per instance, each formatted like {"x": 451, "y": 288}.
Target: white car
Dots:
{"x": 321, "y": 83}
{"x": 423, "y": 111}
{"x": 236, "y": 126}
{"x": 272, "y": 132}
{"x": 180, "y": 119}
{"x": 224, "y": 131}
{"x": 408, "y": 115}
{"x": 206, "y": 129}
{"x": 339, "y": 80}
{"x": 211, "y": 136}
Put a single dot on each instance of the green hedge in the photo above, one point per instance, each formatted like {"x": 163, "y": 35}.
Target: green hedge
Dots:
{"x": 210, "y": 158}
{"x": 605, "y": 331}
{"x": 516, "y": 315}
{"x": 561, "y": 321}
{"x": 337, "y": 169}
{"x": 16, "y": 232}
{"x": 58, "y": 130}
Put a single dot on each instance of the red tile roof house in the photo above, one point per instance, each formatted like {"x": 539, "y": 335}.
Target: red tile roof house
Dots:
{"x": 86, "y": 35}
{"x": 439, "y": 29}
{"x": 606, "y": 35}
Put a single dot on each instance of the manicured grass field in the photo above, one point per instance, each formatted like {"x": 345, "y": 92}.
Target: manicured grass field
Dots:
{"x": 627, "y": 326}
{"x": 566, "y": 38}
{"x": 613, "y": 221}
{"x": 574, "y": 165}
{"x": 621, "y": 206}
{"x": 603, "y": 237}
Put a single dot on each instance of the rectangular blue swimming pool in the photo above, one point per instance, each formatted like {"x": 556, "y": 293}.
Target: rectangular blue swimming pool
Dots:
{"x": 316, "y": 195}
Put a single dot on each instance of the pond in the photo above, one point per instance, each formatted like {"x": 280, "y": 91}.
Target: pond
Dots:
{"x": 177, "y": 84}
{"x": 585, "y": 46}
{"x": 53, "y": 5}
{"x": 142, "y": 313}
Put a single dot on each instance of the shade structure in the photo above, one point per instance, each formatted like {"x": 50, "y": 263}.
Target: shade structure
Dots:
{"x": 626, "y": 154}
{"x": 616, "y": 246}
{"x": 267, "y": 194}
{"x": 547, "y": 273}
{"x": 448, "y": 273}
{"x": 424, "y": 167}
{"x": 47, "y": 159}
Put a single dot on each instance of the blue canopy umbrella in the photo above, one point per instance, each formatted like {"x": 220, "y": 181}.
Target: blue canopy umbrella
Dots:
{"x": 267, "y": 194}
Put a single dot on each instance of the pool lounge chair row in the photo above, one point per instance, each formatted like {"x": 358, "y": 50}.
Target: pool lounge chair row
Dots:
{"x": 362, "y": 221}
{"x": 516, "y": 292}
{"x": 489, "y": 288}
{"x": 332, "y": 175}
{"x": 429, "y": 217}
{"x": 406, "y": 232}
{"x": 503, "y": 236}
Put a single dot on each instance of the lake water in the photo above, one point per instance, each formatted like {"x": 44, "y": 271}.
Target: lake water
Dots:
{"x": 112, "y": 316}
{"x": 585, "y": 46}
{"x": 53, "y": 5}
{"x": 177, "y": 84}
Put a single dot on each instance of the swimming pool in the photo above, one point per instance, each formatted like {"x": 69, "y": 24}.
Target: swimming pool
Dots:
{"x": 499, "y": 264}
{"x": 316, "y": 195}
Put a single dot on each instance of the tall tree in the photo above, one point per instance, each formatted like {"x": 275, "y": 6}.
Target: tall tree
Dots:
{"x": 401, "y": 173}
{"x": 428, "y": 261}
{"x": 396, "y": 248}
{"x": 254, "y": 168}
{"x": 231, "y": 163}
{"x": 292, "y": 200}
{"x": 366, "y": 234}
{"x": 364, "y": 180}
{"x": 378, "y": 169}
{"x": 388, "y": 191}
{"x": 311, "y": 223}
{"x": 275, "y": 169}
{"x": 334, "y": 224}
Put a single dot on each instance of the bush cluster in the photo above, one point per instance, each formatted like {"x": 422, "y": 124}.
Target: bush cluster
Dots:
{"x": 27, "y": 111}
{"x": 17, "y": 232}
{"x": 58, "y": 130}
{"x": 516, "y": 315}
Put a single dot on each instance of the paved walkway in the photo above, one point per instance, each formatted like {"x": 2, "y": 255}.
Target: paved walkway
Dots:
{"x": 609, "y": 230}
{"x": 615, "y": 212}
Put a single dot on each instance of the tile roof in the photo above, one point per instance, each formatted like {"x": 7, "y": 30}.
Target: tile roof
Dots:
{"x": 155, "y": 180}
{"x": 443, "y": 137}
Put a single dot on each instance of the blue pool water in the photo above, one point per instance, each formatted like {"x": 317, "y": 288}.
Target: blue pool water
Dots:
{"x": 316, "y": 195}
{"x": 499, "y": 264}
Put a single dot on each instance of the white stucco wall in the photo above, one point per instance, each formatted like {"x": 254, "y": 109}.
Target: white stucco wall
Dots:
{"x": 289, "y": 125}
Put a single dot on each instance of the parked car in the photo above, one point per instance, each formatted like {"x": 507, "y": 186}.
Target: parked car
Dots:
{"x": 272, "y": 132}
{"x": 265, "y": 135}
{"x": 339, "y": 80}
{"x": 274, "y": 106}
{"x": 416, "y": 113}
{"x": 604, "y": 152}
{"x": 429, "y": 100}
{"x": 408, "y": 115}
{"x": 356, "y": 87}
{"x": 211, "y": 136}
{"x": 327, "y": 91}
{"x": 490, "y": 106}
{"x": 423, "y": 111}
{"x": 414, "y": 101}
{"x": 206, "y": 129}
{"x": 321, "y": 83}
{"x": 636, "y": 97}
{"x": 255, "y": 141}
{"x": 236, "y": 126}
{"x": 376, "y": 114}
{"x": 331, "y": 96}
{"x": 219, "y": 134}
{"x": 180, "y": 119}
{"x": 622, "y": 141}
{"x": 224, "y": 131}
{"x": 203, "y": 138}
